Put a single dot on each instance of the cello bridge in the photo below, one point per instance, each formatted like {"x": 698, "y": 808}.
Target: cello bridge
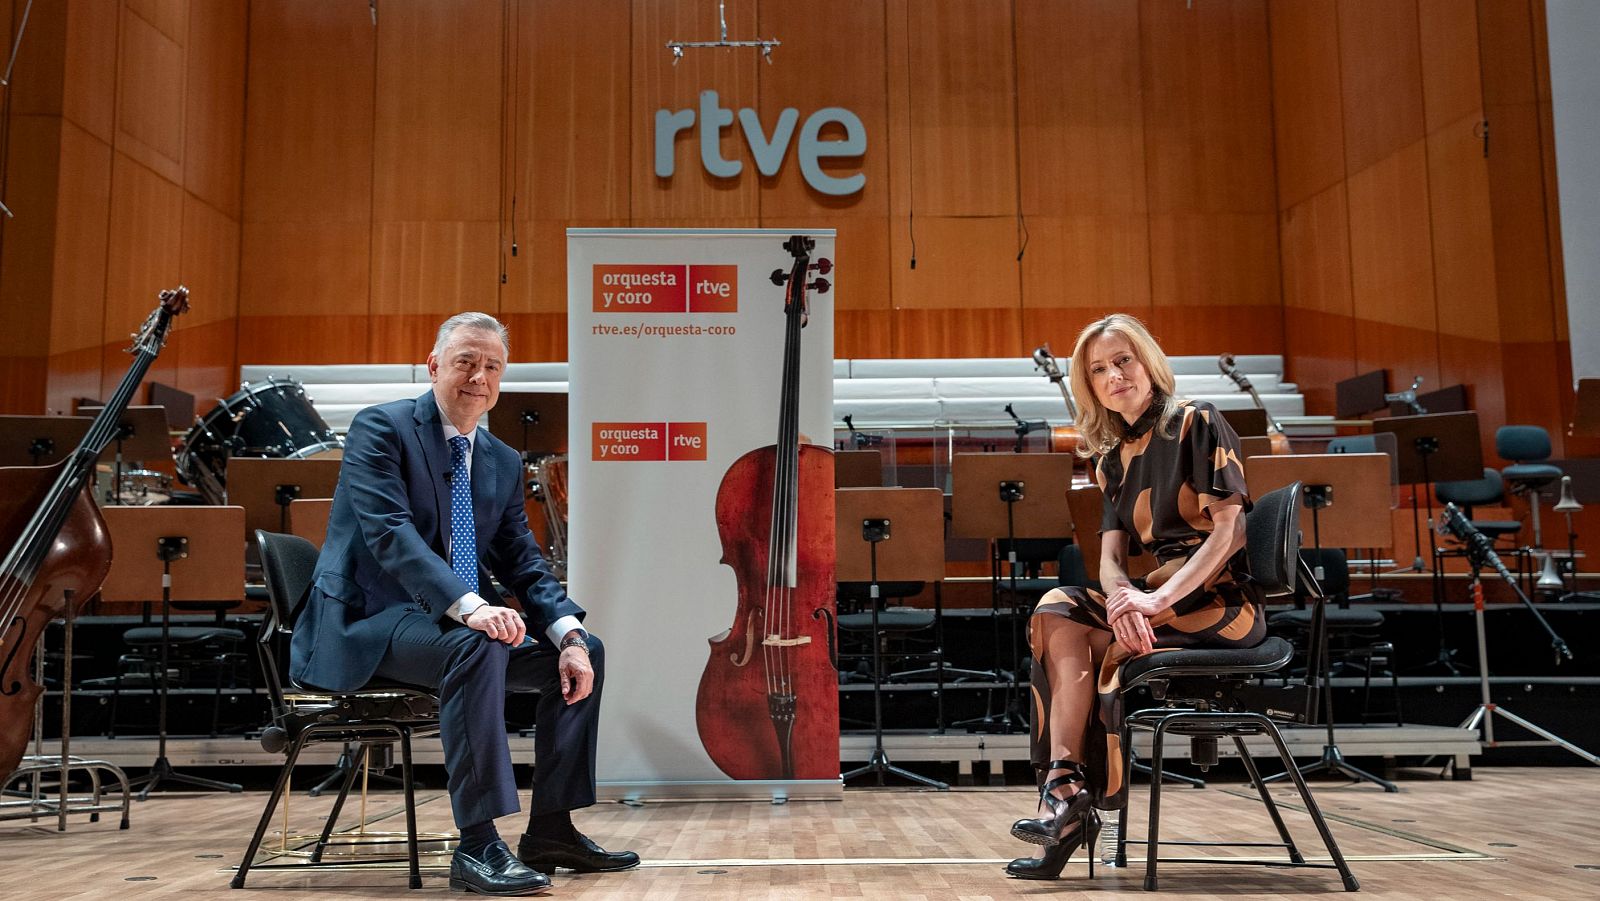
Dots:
{"x": 775, "y": 641}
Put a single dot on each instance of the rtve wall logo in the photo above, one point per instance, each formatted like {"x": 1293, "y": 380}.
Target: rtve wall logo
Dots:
{"x": 653, "y": 288}
{"x": 768, "y": 151}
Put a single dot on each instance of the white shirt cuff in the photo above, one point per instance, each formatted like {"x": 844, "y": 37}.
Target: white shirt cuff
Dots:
{"x": 464, "y": 606}
{"x": 559, "y": 629}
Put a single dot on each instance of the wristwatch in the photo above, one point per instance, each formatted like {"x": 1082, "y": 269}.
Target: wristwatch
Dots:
{"x": 575, "y": 641}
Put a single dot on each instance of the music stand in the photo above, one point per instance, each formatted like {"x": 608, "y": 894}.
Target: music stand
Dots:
{"x": 1249, "y": 421}
{"x": 915, "y": 517}
{"x": 177, "y": 553}
{"x": 266, "y": 487}
{"x": 1346, "y": 499}
{"x": 858, "y": 469}
{"x": 141, "y": 435}
{"x": 40, "y": 440}
{"x": 1433, "y": 447}
{"x": 1012, "y": 496}
{"x": 534, "y": 422}
{"x": 308, "y": 519}
{"x": 178, "y": 403}
{"x": 1361, "y": 394}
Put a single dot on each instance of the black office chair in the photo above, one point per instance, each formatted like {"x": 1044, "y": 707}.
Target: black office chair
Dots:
{"x": 376, "y": 717}
{"x": 1203, "y": 692}
{"x": 1487, "y": 491}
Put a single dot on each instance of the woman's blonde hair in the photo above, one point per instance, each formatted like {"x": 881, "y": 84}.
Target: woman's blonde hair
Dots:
{"x": 1102, "y": 429}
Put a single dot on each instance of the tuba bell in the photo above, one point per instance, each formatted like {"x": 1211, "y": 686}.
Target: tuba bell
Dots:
{"x": 1568, "y": 503}
{"x": 1550, "y": 575}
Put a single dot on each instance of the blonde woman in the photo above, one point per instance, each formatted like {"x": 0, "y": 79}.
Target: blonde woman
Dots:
{"x": 1174, "y": 487}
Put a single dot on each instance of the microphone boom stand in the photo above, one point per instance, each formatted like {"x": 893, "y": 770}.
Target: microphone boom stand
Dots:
{"x": 1480, "y": 552}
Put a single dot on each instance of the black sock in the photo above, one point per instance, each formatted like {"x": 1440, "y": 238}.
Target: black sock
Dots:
{"x": 553, "y": 826}
{"x": 477, "y": 837}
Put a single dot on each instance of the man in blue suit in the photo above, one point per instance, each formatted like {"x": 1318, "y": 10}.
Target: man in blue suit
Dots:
{"x": 427, "y": 508}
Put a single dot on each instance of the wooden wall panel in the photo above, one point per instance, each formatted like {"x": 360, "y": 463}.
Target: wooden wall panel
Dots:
{"x": 1214, "y": 259}
{"x": 308, "y": 113}
{"x": 1390, "y": 241}
{"x": 1208, "y": 108}
{"x": 1521, "y": 243}
{"x": 1381, "y": 71}
{"x": 850, "y": 35}
{"x": 1079, "y": 108}
{"x": 1463, "y": 239}
{"x": 150, "y": 80}
{"x": 214, "y": 137}
{"x": 436, "y": 131}
{"x": 948, "y": 332}
{"x": 83, "y": 208}
{"x": 962, "y": 263}
{"x": 691, "y": 193}
{"x": 571, "y": 151}
{"x": 311, "y": 267}
{"x": 1307, "y": 112}
{"x": 1451, "y": 87}
{"x": 170, "y": 17}
{"x": 434, "y": 267}
{"x": 1315, "y": 248}
{"x": 210, "y": 262}
{"x": 960, "y": 105}
{"x": 32, "y": 170}
{"x": 1088, "y": 263}
{"x": 143, "y": 252}
{"x": 89, "y": 95}
{"x": 37, "y": 80}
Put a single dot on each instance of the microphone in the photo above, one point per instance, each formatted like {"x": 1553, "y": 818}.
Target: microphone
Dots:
{"x": 1479, "y": 547}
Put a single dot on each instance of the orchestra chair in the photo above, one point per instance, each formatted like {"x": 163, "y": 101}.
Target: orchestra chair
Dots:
{"x": 1206, "y": 695}
{"x": 1488, "y": 491}
{"x": 376, "y": 716}
{"x": 1354, "y": 633}
{"x": 1527, "y": 447}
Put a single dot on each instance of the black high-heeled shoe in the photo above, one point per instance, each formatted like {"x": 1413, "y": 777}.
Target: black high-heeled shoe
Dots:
{"x": 1049, "y": 829}
{"x": 1054, "y": 859}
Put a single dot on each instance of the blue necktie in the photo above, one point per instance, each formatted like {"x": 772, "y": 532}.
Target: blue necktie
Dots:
{"x": 463, "y": 535}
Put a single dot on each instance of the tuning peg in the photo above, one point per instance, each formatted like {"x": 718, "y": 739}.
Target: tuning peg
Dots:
{"x": 779, "y": 276}
{"x": 823, "y": 266}
{"x": 821, "y": 286}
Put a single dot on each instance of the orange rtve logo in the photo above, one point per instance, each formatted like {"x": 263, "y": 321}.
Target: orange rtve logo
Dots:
{"x": 714, "y": 289}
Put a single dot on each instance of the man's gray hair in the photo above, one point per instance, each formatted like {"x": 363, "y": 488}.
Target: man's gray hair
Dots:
{"x": 471, "y": 320}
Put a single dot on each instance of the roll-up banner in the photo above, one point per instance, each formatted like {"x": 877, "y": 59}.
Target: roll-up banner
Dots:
{"x": 701, "y": 533}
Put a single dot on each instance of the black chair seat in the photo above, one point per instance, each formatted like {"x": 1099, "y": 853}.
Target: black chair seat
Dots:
{"x": 1269, "y": 655}
{"x": 182, "y": 634}
{"x": 1531, "y": 473}
{"x": 1337, "y": 618}
{"x": 891, "y": 620}
{"x": 1494, "y": 528}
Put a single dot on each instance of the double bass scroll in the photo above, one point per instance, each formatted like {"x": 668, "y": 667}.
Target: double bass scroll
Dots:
{"x": 1280, "y": 441}
{"x": 1064, "y": 439}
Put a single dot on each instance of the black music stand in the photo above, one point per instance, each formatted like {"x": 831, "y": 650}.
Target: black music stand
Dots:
{"x": 211, "y": 541}
{"x": 1433, "y": 447}
{"x": 1360, "y": 485}
{"x": 40, "y": 440}
{"x": 916, "y": 517}
{"x": 1011, "y": 496}
{"x": 178, "y": 403}
{"x": 266, "y": 486}
{"x": 141, "y": 435}
{"x": 1361, "y": 394}
{"x": 533, "y": 422}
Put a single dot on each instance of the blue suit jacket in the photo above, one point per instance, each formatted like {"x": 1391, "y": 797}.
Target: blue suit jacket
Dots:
{"x": 385, "y": 555}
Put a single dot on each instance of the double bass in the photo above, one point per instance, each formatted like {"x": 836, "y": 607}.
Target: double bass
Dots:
{"x": 1280, "y": 441}
{"x": 768, "y": 703}
{"x": 60, "y": 550}
{"x": 1064, "y": 439}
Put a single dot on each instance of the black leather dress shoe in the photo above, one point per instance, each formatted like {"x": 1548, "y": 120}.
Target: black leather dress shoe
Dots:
{"x": 583, "y": 855}
{"x": 495, "y": 872}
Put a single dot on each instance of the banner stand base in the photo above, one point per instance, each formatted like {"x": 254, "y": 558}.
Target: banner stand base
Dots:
{"x": 772, "y": 791}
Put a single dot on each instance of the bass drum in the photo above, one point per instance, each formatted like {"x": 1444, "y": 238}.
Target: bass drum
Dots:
{"x": 272, "y": 418}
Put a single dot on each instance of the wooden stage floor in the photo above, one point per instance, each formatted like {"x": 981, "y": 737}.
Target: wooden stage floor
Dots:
{"x": 1510, "y": 832}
